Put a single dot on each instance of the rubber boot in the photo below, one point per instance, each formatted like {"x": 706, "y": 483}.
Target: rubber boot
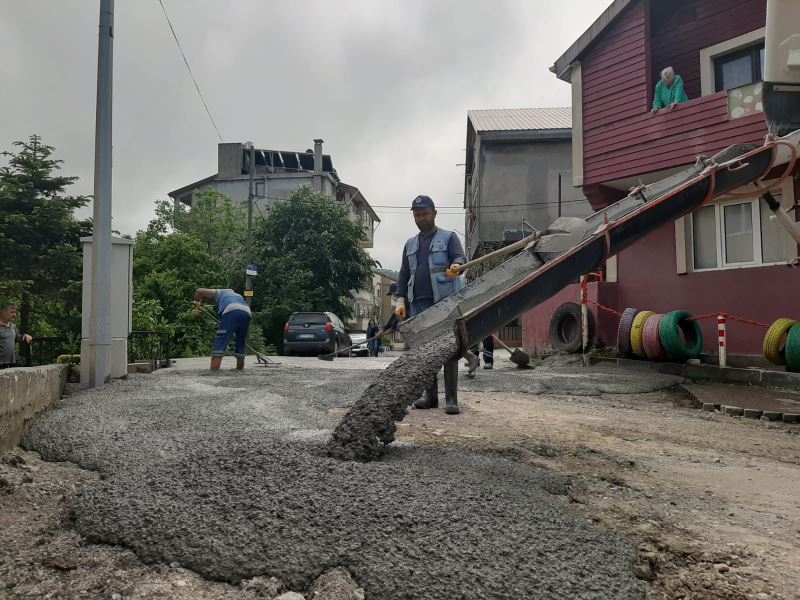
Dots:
{"x": 216, "y": 363}
{"x": 239, "y": 363}
{"x": 473, "y": 362}
{"x": 451, "y": 387}
{"x": 430, "y": 398}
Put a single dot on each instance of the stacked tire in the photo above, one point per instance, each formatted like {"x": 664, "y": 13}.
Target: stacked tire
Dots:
{"x": 658, "y": 337}
{"x": 782, "y": 344}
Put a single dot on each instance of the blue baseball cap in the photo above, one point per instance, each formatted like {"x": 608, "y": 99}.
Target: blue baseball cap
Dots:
{"x": 422, "y": 202}
{"x": 392, "y": 290}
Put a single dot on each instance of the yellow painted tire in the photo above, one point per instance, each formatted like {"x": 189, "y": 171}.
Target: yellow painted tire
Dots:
{"x": 774, "y": 350}
{"x": 637, "y": 328}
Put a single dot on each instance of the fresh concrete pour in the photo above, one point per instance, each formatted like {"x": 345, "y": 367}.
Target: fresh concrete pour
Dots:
{"x": 228, "y": 475}
{"x": 370, "y": 423}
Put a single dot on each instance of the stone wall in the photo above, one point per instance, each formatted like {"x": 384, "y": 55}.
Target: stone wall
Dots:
{"x": 25, "y": 393}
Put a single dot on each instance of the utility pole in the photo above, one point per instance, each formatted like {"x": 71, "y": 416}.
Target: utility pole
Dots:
{"x": 248, "y": 282}
{"x": 100, "y": 329}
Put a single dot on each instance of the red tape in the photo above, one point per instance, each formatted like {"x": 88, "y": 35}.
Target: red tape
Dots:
{"x": 708, "y": 316}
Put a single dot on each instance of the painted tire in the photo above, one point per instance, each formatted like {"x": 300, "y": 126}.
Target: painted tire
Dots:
{"x": 636, "y": 332}
{"x": 793, "y": 349}
{"x": 565, "y": 328}
{"x": 774, "y": 350}
{"x": 624, "y": 330}
{"x": 651, "y": 341}
{"x": 669, "y": 331}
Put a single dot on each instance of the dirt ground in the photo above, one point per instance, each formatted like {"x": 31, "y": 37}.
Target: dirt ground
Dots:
{"x": 711, "y": 501}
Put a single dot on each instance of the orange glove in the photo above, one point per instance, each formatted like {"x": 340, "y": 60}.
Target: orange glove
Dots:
{"x": 401, "y": 312}
{"x": 196, "y": 306}
{"x": 453, "y": 270}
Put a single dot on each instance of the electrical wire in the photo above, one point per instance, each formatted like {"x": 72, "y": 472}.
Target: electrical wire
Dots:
{"x": 196, "y": 86}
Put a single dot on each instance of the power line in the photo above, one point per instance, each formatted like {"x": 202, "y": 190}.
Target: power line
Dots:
{"x": 197, "y": 87}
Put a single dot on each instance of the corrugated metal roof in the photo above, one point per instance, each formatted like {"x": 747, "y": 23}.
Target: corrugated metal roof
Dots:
{"x": 521, "y": 119}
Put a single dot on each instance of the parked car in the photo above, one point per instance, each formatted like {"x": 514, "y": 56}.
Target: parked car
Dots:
{"x": 314, "y": 333}
{"x": 363, "y": 349}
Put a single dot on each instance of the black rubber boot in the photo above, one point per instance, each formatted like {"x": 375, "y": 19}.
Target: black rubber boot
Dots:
{"x": 451, "y": 387}
{"x": 430, "y": 398}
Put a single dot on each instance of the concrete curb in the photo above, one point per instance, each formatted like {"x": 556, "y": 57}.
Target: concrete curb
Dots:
{"x": 25, "y": 393}
{"x": 751, "y": 376}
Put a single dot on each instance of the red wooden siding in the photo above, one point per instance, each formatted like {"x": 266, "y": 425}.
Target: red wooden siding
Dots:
{"x": 614, "y": 71}
{"x": 622, "y": 138}
{"x": 680, "y": 30}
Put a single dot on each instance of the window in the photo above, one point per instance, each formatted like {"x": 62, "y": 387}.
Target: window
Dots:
{"x": 259, "y": 191}
{"x": 736, "y": 234}
{"x": 739, "y": 68}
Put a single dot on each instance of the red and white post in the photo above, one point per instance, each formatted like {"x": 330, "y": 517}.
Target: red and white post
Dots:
{"x": 723, "y": 349}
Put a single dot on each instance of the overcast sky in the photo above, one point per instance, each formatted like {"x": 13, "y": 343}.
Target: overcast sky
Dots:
{"x": 386, "y": 83}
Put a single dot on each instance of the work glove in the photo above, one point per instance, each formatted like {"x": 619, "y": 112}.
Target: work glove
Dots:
{"x": 401, "y": 312}
{"x": 453, "y": 270}
{"x": 196, "y": 305}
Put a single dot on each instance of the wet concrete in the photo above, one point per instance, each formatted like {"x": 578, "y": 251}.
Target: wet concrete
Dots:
{"x": 370, "y": 424}
{"x": 228, "y": 475}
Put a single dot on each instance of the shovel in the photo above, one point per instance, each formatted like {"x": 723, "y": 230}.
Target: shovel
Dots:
{"x": 518, "y": 357}
{"x": 329, "y": 357}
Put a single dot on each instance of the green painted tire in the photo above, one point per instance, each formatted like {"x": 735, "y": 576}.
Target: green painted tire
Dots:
{"x": 793, "y": 349}
{"x": 669, "y": 330}
{"x": 774, "y": 350}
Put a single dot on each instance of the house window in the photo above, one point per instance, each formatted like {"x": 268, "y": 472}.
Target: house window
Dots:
{"x": 739, "y": 68}
{"x": 736, "y": 234}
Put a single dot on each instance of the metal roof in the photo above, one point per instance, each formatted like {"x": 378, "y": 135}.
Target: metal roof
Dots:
{"x": 521, "y": 119}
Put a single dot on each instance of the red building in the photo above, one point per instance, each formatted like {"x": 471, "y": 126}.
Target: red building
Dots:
{"x": 726, "y": 257}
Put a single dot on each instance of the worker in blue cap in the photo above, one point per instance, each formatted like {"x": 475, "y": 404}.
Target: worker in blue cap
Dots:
{"x": 429, "y": 273}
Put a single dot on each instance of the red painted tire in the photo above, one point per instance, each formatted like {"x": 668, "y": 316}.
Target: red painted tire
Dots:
{"x": 624, "y": 330}
{"x": 651, "y": 340}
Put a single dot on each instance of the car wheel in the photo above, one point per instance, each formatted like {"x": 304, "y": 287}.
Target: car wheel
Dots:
{"x": 335, "y": 350}
{"x": 345, "y": 353}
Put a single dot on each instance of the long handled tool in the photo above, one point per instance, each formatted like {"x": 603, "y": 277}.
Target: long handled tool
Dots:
{"x": 518, "y": 245}
{"x": 518, "y": 357}
{"x": 260, "y": 358}
{"x": 330, "y": 357}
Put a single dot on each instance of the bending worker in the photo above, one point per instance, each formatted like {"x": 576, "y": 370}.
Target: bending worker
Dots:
{"x": 427, "y": 275}
{"x": 234, "y": 321}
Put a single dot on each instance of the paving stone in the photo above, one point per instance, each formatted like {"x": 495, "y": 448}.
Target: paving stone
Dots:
{"x": 709, "y": 406}
{"x": 752, "y": 413}
{"x": 733, "y": 411}
{"x": 772, "y": 415}
{"x": 791, "y": 418}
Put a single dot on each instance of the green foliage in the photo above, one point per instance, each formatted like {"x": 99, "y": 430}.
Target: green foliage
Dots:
{"x": 40, "y": 256}
{"x": 217, "y": 222}
{"x": 309, "y": 257}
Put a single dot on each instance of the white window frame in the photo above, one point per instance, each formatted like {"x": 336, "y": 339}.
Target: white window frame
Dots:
{"x": 707, "y": 56}
{"x": 722, "y": 265}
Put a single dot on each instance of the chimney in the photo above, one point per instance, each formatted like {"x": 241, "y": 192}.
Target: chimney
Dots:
{"x": 318, "y": 165}
{"x": 229, "y": 160}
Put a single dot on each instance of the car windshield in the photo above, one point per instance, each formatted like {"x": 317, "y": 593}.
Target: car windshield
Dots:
{"x": 309, "y": 319}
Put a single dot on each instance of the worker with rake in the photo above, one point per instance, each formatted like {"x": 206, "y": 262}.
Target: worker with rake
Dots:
{"x": 234, "y": 321}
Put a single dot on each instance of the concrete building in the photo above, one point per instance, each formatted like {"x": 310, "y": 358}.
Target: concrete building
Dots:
{"x": 276, "y": 174}
{"x": 373, "y": 303}
{"x": 518, "y": 175}
{"x": 518, "y": 170}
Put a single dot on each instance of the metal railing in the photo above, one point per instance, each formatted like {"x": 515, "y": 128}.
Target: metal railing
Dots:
{"x": 152, "y": 346}
{"x": 45, "y": 350}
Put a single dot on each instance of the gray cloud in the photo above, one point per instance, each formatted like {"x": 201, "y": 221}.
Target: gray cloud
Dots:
{"x": 386, "y": 83}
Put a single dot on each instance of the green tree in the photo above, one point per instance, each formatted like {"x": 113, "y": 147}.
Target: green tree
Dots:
{"x": 216, "y": 221}
{"x": 167, "y": 269}
{"x": 309, "y": 258}
{"x": 40, "y": 257}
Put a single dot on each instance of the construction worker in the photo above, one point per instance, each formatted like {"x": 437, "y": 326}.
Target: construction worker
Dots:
{"x": 429, "y": 273}
{"x": 234, "y": 314}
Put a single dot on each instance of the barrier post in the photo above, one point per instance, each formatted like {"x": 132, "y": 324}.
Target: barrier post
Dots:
{"x": 723, "y": 350}
{"x": 584, "y": 319}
